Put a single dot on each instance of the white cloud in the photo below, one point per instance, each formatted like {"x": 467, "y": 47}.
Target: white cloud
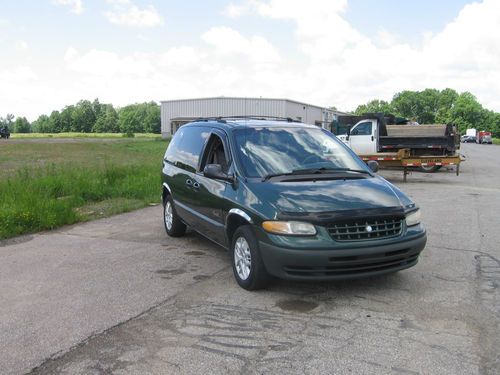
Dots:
{"x": 180, "y": 57}
{"x": 18, "y": 75}
{"x": 21, "y": 45}
{"x": 19, "y": 85}
{"x": 75, "y": 6}
{"x": 118, "y": 1}
{"x": 229, "y": 42}
{"x": 237, "y": 10}
{"x": 344, "y": 67}
{"x": 127, "y": 14}
{"x": 108, "y": 64}
{"x": 330, "y": 62}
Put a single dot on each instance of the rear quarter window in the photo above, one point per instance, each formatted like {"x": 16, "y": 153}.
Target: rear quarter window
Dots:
{"x": 171, "y": 153}
{"x": 186, "y": 147}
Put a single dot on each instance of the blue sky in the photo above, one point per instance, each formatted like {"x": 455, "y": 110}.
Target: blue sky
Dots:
{"x": 51, "y": 28}
{"x": 328, "y": 52}
{"x": 407, "y": 19}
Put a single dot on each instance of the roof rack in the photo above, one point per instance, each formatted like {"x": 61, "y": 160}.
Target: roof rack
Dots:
{"x": 224, "y": 119}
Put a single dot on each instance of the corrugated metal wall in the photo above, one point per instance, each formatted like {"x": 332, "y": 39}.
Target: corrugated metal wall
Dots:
{"x": 213, "y": 107}
{"x": 304, "y": 112}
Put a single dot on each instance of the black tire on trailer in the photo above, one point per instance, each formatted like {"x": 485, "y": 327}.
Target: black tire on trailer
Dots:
{"x": 430, "y": 168}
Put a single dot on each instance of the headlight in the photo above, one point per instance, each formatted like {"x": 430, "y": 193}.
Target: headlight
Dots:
{"x": 296, "y": 228}
{"x": 413, "y": 218}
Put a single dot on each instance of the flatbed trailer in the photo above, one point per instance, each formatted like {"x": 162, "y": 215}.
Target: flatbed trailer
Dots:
{"x": 404, "y": 159}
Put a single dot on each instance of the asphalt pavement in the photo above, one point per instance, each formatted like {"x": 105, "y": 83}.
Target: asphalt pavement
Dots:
{"x": 118, "y": 296}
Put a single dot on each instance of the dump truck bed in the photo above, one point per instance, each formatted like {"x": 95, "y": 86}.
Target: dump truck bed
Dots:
{"x": 437, "y": 139}
{"x": 427, "y": 130}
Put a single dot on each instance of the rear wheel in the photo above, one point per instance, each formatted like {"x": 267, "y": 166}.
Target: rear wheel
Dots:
{"x": 248, "y": 267}
{"x": 429, "y": 168}
{"x": 173, "y": 224}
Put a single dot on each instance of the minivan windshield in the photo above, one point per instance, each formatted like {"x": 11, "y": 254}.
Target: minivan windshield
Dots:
{"x": 281, "y": 150}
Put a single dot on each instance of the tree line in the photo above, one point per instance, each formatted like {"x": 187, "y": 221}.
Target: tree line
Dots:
{"x": 91, "y": 117}
{"x": 432, "y": 106}
{"x": 426, "y": 107}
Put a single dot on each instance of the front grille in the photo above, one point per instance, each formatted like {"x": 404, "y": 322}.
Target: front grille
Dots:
{"x": 370, "y": 229}
{"x": 357, "y": 265}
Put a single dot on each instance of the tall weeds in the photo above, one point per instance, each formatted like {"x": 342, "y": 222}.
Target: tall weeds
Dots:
{"x": 32, "y": 199}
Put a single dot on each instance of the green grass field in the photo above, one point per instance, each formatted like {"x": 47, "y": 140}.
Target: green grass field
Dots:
{"x": 496, "y": 141}
{"x": 44, "y": 185}
{"x": 81, "y": 135}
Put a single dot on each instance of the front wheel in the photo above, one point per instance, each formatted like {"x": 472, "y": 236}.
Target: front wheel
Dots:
{"x": 248, "y": 267}
{"x": 173, "y": 224}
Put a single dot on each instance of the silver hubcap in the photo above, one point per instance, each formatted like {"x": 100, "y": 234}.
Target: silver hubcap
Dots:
{"x": 242, "y": 258}
{"x": 169, "y": 216}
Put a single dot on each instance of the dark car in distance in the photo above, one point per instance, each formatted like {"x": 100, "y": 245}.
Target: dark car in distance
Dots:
{"x": 468, "y": 139}
{"x": 4, "y": 132}
{"x": 287, "y": 200}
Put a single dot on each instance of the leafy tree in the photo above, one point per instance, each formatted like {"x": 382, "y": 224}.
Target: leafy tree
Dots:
{"x": 98, "y": 108}
{"x": 374, "y": 106}
{"x": 107, "y": 121}
{"x": 429, "y": 105}
{"x": 495, "y": 128}
{"x": 67, "y": 118}
{"x": 434, "y": 106}
{"x": 22, "y": 125}
{"x": 7, "y": 121}
{"x": 467, "y": 112}
{"x": 447, "y": 98}
{"x": 407, "y": 104}
{"x": 83, "y": 117}
{"x": 42, "y": 125}
{"x": 140, "y": 118}
{"x": 55, "y": 121}
{"x": 152, "y": 119}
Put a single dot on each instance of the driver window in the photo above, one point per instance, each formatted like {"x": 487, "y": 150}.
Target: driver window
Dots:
{"x": 217, "y": 153}
{"x": 365, "y": 128}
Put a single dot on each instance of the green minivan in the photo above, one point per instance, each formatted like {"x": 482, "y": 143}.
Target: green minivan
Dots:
{"x": 288, "y": 200}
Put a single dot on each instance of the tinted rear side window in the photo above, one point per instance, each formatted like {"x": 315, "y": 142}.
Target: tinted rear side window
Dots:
{"x": 172, "y": 150}
{"x": 188, "y": 152}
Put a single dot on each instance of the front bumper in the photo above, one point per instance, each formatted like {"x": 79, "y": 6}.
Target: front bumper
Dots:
{"x": 338, "y": 263}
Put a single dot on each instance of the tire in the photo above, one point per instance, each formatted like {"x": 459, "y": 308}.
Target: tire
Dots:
{"x": 248, "y": 267}
{"x": 430, "y": 169}
{"x": 173, "y": 224}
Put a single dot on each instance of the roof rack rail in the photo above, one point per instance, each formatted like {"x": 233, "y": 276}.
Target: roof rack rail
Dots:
{"x": 224, "y": 119}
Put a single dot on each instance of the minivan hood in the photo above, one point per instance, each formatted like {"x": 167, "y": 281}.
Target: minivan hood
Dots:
{"x": 318, "y": 196}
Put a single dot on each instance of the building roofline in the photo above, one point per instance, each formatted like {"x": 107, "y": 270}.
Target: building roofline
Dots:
{"x": 247, "y": 98}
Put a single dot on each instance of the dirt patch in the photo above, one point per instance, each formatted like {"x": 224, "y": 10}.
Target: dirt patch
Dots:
{"x": 297, "y": 305}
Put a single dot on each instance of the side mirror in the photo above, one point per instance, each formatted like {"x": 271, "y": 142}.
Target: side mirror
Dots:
{"x": 215, "y": 171}
{"x": 373, "y": 165}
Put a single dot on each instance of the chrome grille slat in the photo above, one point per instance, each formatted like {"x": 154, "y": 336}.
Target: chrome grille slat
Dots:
{"x": 355, "y": 230}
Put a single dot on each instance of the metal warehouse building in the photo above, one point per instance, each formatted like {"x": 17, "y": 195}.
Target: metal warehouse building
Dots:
{"x": 175, "y": 113}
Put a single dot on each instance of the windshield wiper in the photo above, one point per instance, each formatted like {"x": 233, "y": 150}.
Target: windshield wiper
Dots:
{"x": 294, "y": 172}
{"x": 328, "y": 170}
{"x": 313, "y": 171}
{"x": 271, "y": 175}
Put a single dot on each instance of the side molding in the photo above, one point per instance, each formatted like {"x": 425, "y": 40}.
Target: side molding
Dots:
{"x": 241, "y": 213}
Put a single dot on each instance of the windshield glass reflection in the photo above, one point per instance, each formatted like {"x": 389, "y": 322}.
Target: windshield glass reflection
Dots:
{"x": 264, "y": 151}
